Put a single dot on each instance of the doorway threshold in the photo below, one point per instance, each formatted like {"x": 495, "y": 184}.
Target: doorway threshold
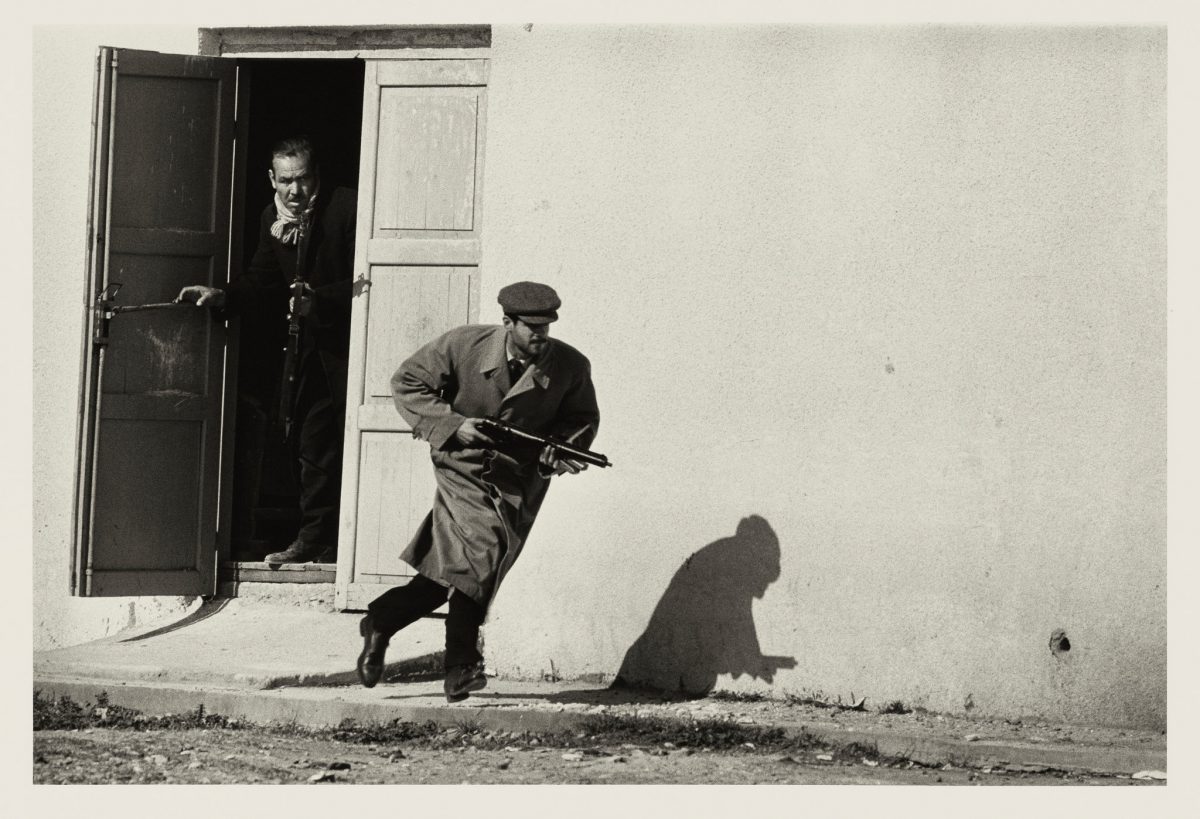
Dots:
{"x": 233, "y": 574}
{"x": 246, "y": 571}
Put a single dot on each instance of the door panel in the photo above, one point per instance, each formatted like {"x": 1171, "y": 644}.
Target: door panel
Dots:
{"x": 171, "y": 480}
{"x": 146, "y": 511}
{"x": 430, "y": 136}
{"x": 417, "y": 275}
{"x": 421, "y": 303}
{"x": 170, "y": 187}
{"x": 393, "y": 504}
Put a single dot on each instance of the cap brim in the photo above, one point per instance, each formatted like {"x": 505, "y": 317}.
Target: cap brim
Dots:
{"x": 540, "y": 318}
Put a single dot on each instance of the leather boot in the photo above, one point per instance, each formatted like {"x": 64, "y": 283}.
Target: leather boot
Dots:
{"x": 370, "y": 661}
{"x": 461, "y": 680}
{"x": 297, "y": 552}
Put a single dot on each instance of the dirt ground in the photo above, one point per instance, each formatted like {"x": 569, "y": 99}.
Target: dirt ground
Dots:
{"x": 723, "y": 741}
{"x": 258, "y": 755}
{"x": 752, "y": 710}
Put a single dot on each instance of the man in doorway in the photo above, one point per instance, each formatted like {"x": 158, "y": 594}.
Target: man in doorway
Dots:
{"x": 303, "y": 266}
{"x": 488, "y": 493}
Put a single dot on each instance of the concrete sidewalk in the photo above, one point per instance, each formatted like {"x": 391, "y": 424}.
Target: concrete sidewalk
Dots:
{"x": 240, "y": 643}
{"x": 267, "y": 663}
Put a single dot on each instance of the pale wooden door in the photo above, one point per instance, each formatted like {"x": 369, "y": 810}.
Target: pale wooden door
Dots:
{"x": 150, "y": 410}
{"x": 416, "y": 276}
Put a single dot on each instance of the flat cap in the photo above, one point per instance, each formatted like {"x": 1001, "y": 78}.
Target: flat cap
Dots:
{"x": 530, "y": 301}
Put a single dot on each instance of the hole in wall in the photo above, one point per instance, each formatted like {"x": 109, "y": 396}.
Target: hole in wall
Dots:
{"x": 1059, "y": 643}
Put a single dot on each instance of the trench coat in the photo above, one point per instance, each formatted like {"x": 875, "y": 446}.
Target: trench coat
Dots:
{"x": 487, "y": 499}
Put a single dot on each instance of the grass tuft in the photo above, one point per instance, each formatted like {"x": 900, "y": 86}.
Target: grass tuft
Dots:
{"x": 390, "y": 733}
{"x": 64, "y": 714}
{"x": 708, "y": 733}
{"x": 738, "y": 696}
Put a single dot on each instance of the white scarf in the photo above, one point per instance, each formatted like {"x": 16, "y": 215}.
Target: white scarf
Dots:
{"x": 287, "y": 224}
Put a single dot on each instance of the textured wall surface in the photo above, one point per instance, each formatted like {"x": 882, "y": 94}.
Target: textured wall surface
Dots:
{"x": 878, "y": 322}
{"x": 888, "y": 303}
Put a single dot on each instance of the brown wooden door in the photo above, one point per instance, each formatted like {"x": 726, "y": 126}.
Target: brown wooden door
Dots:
{"x": 150, "y": 420}
{"x": 417, "y": 275}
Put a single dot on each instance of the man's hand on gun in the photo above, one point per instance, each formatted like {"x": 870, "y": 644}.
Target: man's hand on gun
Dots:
{"x": 469, "y": 434}
{"x": 549, "y": 459}
{"x": 302, "y": 293}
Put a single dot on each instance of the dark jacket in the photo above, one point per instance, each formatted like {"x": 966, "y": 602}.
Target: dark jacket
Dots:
{"x": 261, "y": 293}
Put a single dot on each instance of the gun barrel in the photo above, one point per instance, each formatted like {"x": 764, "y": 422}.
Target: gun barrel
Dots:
{"x": 287, "y": 389}
{"x": 570, "y": 450}
{"x": 586, "y": 455}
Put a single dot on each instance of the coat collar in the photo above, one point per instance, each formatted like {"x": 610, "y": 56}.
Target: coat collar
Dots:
{"x": 495, "y": 358}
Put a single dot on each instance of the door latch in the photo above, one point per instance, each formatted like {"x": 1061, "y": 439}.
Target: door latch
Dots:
{"x": 106, "y": 308}
{"x": 102, "y": 313}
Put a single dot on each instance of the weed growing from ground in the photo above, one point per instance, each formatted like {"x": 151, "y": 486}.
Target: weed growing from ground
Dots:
{"x": 704, "y": 733}
{"x": 64, "y": 714}
{"x": 390, "y": 733}
{"x": 809, "y": 700}
{"x": 61, "y": 715}
{"x": 861, "y": 750}
{"x": 738, "y": 696}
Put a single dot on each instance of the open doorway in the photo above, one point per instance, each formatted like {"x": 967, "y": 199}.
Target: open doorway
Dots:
{"x": 175, "y": 423}
{"x": 323, "y": 99}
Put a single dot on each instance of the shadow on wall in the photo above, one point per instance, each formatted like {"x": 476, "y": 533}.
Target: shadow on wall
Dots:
{"x": 703, "y": 625}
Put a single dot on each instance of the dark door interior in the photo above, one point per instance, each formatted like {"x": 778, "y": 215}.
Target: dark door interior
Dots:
{"x": 322, "y": 98}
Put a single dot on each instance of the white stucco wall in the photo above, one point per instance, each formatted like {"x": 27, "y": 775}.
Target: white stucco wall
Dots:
{"x": 64, "y": 67}
{"x": 899, "y": 294}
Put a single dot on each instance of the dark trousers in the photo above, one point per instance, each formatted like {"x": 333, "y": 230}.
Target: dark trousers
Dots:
{"x": 318, "y": 423}
{"x": 399, "y": 606}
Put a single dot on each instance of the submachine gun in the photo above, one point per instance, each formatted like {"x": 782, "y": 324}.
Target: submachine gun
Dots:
{"x": 299, "y": 306}
{"x": 507, "y": 432}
